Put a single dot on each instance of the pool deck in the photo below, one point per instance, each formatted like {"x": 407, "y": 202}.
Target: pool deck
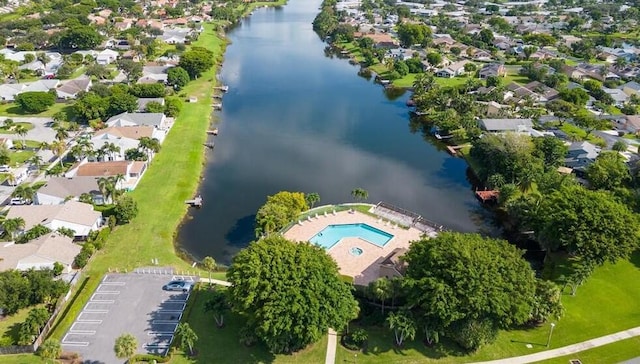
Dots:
{"x": 365, "y": 267}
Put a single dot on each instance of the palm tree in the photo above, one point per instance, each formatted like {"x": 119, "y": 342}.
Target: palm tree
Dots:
{"x": 359, "y": 194}
{"x": 381, "y": 289}
{"x": 125, "y": 346}
{"x": 24, "y": 192}
{"x": 42, "y": 57}
{"x": 8, "y": 124}
{"x": 312, "y": 198}
{"x": 50, "y": 349}
{"x": 526, "y": 182}
{"x": 58, "y": 148}
{"x": 217, "y": 305}
{"x": 620, "y": 62}
{"x": 5, "y": 155}
{"x": 35, "y": 161}
{"x": 55, "y": 171}
{"x": 12, "y": 226}
{"x": 187, "y": 337}
{"x": 22, "y": 132}
{"x": 105, "y": 185}
{"x": 61, "y": 133}
{"x": 402, "y": 325}
{"x": 210, "y": 265}
{"x": 149, "y": 146}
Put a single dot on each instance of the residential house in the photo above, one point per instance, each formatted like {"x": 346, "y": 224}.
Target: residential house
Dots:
{"x": 102, "y": 141}
{"x": 393, "y": 265}
{"x": 492, "y": 69}
{"x": 77, "y": 216}
{"x": 581, "y": 155}
{"x": 479, "y": 54}
{"x": 453, "y": 70}
{"x": 175, "y": 35}
{"x": 71, "y": 88}
{"x": 57, "y": 190}
{"x": 131, "y": 171}
{"x": 154, "y": 74}
{"x": 504, "y": 125}
{"x": 40, "y": 253}
{"x": 382, "y": 40}
{"x": 133, "y": 132}
{"x": 631, "y": 88}
{"x": 545, "y": 92}
{"x": 632, "y": 124}
{"x": 157, "y": 120}
{"x": 106, "y": 57}
{"x": 142, "y": 102}
{"x": 619, "y": 96}
{"x": 9, "y": 91}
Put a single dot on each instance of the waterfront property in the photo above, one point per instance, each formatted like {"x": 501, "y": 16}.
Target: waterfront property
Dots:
{"x": 363, "y": 245}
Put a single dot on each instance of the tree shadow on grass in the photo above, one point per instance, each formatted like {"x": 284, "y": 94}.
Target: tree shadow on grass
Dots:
{"x": 12, "y": 333}
{"x": 635, "y": 258}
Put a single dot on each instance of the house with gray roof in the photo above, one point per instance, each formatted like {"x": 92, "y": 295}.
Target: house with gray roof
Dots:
{"x": 143, "y": 102}
{"x": 58, "y": 189}
{"x": 631, "y": 88}
{"x": 40, "y": 253}
{"x": 71, "y": 88}
{"x": 157, "y": 120}
{"x": 77, "y": 216}
{"x": 504, "y": 125}
{"x": 581, "y": 155}
{"x": 619, "y": 96}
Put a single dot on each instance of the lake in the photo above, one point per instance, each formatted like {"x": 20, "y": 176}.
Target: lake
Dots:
{"x": 297, "y": 120}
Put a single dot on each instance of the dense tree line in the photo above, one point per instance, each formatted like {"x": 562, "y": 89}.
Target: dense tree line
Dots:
{"x": 279, "y": 210}
{"x": 24, "y": 289}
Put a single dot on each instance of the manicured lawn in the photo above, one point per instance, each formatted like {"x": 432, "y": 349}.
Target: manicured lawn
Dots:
{"x": 222, "y": 345}
{"x": 10, "y": 326}
{"x": 612, "y": 353}
{"x": 580, "y": 134}
{"x": 12, "y": 130}
{"x": 605, "y": 304}
{"x": 20, "y": 156}
{"x": 12, "y": 109}
{"x": 22, "y": 359}
{"x": 151, "y": 233}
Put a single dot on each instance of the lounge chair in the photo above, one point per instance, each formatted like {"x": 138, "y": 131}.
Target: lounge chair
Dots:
{"x": 334, "y": 212}
{"x": 300, "y": 222}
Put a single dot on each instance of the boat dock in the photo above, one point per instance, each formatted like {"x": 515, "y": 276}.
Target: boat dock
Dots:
{"x": 488, "y": 196}
{"x": 196, "y": 202}
{"x": 217, "y": 106}
{"x": 209, "y": 145}
{"x": 223, "y": 88}
{"x": 212, "y": 131}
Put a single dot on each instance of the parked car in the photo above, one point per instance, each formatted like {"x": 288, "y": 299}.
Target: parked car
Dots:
{"x": 183, "y": 286}
{"x": 5, "y": 169}
{"x": 18, "y": 201}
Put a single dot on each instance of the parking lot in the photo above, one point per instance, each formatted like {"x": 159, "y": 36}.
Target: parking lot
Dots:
{"x": 127, "y": 303}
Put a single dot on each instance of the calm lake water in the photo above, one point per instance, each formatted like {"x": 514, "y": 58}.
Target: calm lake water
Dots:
{"x": 297, "y": 120}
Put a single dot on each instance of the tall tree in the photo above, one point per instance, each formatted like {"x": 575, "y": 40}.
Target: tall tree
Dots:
{"x": 12, "y": 226}
{"x": 209, "y": 265}
{"x": 608, "y": 171}
{"x": 291, "y": 293}
{"x": 456, "y": 277}
{"x": 403, "y": 326}
{"x": 58, "y": 148}
{"x": 217, "y": 305}
{"x": 196, "y": 61}
{"x": 380, "y": 289}
{"x": 50, "y": 350}
{"x": 22, "y": 131}
{"x": 589, "y": 224}
{"x": 312, "y": 198}
{"x": 187, "y": 337}
{"x": 125, "y": 346}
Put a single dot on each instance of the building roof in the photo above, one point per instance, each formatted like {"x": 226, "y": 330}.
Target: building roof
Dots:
{"x": 71, "y": 211}
{"x": 584, "y": 150}
{"x": 103, "y": 169}
{"x": 40, "y": 252}
{"x": 72, "y": 87}
{"x": 130, "y": 132}
{"x": 64, "y": 187}
{"x": 505, "y": 124}
{"x": 142, "y": 102}
{"x": 127, "y": 119}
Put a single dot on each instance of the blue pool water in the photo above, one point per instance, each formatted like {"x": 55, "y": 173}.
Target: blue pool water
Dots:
{"x": 332, "y": 234}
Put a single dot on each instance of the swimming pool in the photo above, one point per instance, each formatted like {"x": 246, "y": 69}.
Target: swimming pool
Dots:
{"x": 332, "y": 234}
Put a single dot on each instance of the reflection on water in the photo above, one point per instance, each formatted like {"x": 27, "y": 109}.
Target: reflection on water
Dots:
{"x": 296, "y": 120}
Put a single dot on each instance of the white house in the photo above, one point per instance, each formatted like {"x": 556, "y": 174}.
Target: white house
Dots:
{"x": 106, "y": 57}
{"x": 40, "y": 253}
{"x": 57, "y": 190}
{"x": 77, "y": 216}
{"x": 122, "y": 144}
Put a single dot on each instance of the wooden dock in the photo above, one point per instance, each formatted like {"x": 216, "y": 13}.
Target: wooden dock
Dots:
{"x": 453, "y": 149}
{"x": 209, "y": 145}
{"x": 217, "y": 106}
{"x": 196, "y": 202}
{"x": 223, "y": 88}
{"x": 488, "y": 196}
{"x": 212, "y": 131}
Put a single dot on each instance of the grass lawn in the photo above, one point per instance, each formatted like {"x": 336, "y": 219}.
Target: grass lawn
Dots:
{"x": 20, "y": 156}
{"x": 22, "y": 359}
{"x": 12, "y": 109}
{"x": 222, "y": 345}
{"x": 10, "y": 326}
{"x": 605, "y": 304}
{"x": 12, "y": 130}
{"x": 581, "y": 134}
{"x": 151, "y": 233}
{"x": 612, "y": 353}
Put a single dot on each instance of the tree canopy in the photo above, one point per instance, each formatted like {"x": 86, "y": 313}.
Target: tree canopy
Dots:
{"x": 280, "y": 209}
{"x": 608, "y": 171}
{"x": 411, "y": 33}
{"x": 290, "y": 292}
{"x": 590, "y": 224}
{"x": 196, "y": 61}
{"x": 79, "y": 37}
{"x": 463, "y": 279}
{"x": 35, "y": 101}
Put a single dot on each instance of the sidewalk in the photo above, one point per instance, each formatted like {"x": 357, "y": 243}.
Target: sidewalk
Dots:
{"x": 331, "y": 348}
{"x": 570, "y": 349}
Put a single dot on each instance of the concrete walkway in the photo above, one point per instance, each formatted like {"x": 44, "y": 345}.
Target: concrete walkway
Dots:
{"x": 331, "y": 347}
{"x": 570, "y": 349}
{"x": 215, "y": 281}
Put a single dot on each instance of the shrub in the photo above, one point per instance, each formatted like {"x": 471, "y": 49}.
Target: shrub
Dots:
{"x": 471, "y": 334}
{"x": 35, "y": 101}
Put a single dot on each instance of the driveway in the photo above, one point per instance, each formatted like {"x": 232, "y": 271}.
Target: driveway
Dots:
{"x": 40, "y": 132}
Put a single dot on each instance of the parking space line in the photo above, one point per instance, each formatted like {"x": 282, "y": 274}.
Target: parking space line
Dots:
{"x": 75, "y": 343}
{"x": 82, "y": 332}
{"x": 160, "y": 333}
{"x": 113, "y": 283}
{"x": 166, "y": 322}
{"x": 102, "y": 301}
{"x": 107, "y": 292}
{"x": 82, "y": 323}
{"x": 89, "y": 321}
{"x": 95, "y": 311}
